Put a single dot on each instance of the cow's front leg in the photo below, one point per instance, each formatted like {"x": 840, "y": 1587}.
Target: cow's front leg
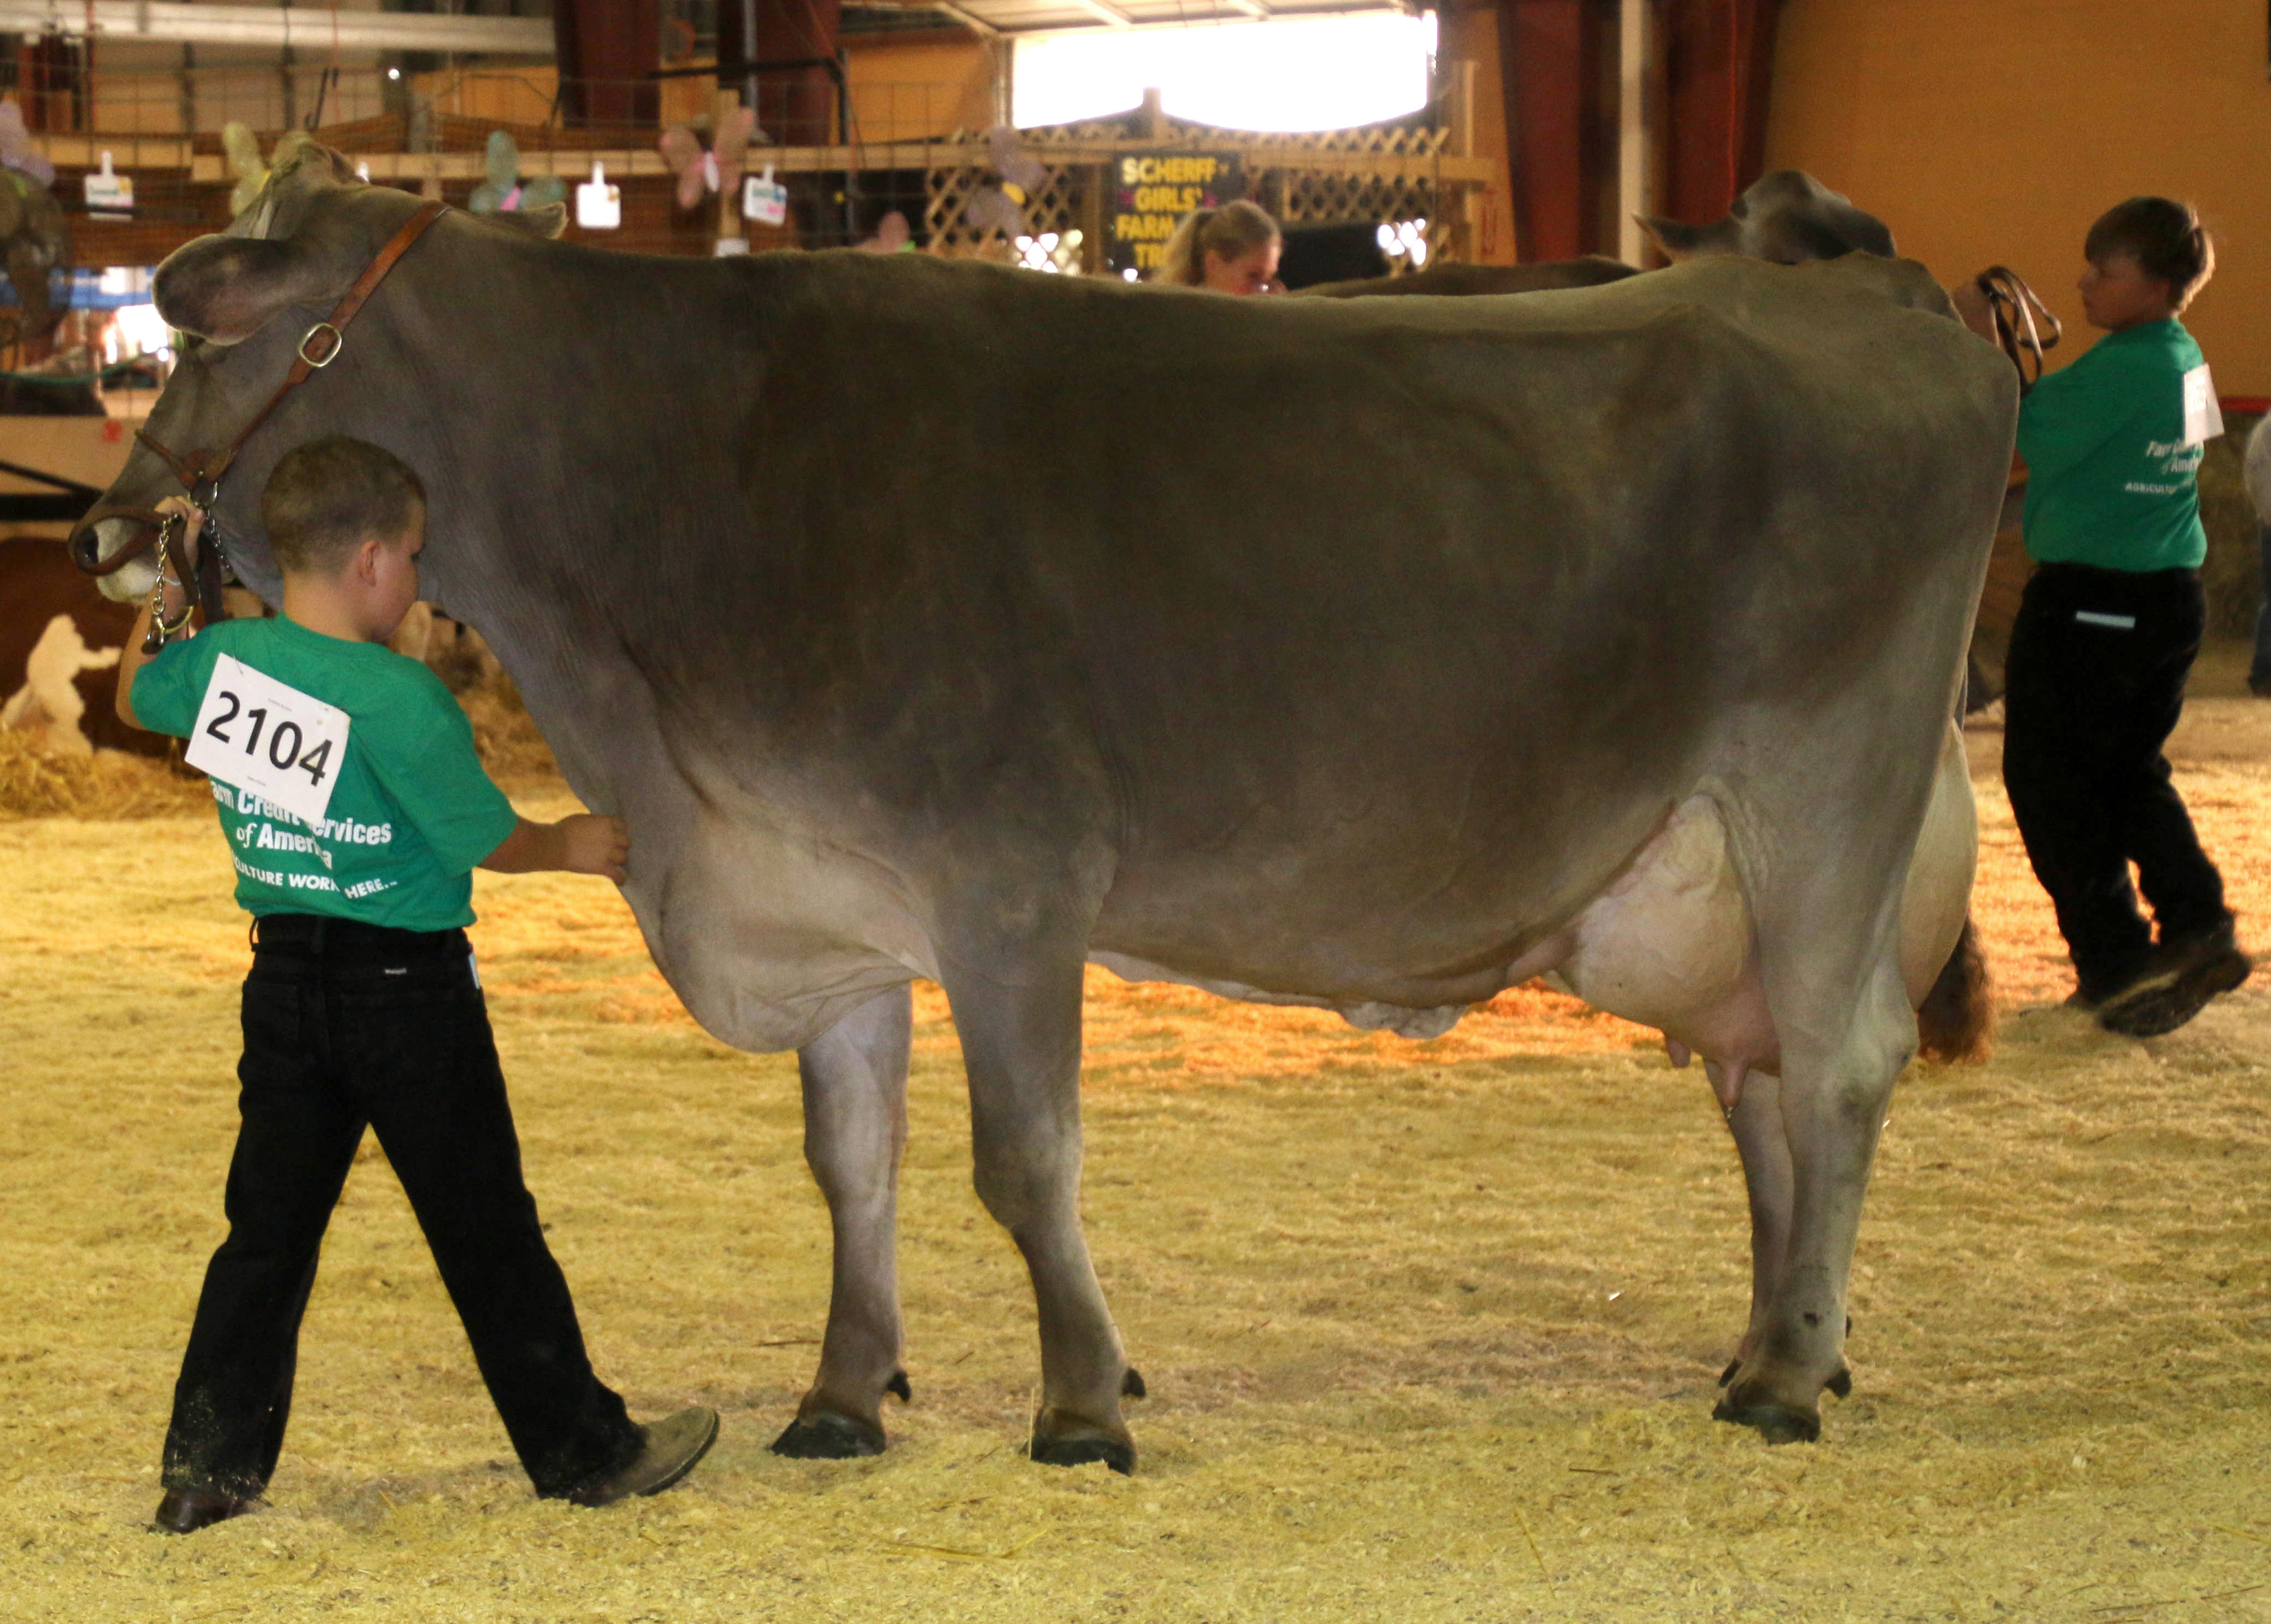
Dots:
{"x": 1832, "y": 1100}
{"x": 1020, "y": 1045}
{"x": 855, "y": 1129}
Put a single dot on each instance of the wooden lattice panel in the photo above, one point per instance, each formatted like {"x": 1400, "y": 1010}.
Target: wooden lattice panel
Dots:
{"x": 1056, "y": 207}
{"x": 1309, "y": 197}
{"x": 1294, "y": 194}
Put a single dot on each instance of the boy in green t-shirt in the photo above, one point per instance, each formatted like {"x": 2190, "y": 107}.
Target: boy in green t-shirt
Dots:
{"x": 2109, "y": 624}
{"x": 355, "y": 810}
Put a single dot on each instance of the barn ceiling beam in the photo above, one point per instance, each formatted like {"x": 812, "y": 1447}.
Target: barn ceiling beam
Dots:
{"x": 308, "y": 27}
{"x": 1106, "y": 12}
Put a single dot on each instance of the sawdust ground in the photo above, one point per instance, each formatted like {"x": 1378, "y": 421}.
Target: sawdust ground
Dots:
{"x": 1431, "y": 1330}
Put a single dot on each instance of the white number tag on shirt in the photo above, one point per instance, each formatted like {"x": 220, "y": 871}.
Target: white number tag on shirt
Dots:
{"x": 255, "y": 734}
{"x": 2203, "y": 418}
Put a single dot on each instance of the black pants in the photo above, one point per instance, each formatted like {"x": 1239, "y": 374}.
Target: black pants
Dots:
{"x": 347, "y": 1025}
{"x": 2096, "y": 681}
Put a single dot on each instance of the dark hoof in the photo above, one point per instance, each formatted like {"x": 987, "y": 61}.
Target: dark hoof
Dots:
{"x": 1079, "y": 1451}
{"x": 899, "y": 1384}
{"x": 827, "y": 1437}
{"x": 1775, "y": 1423}
{"x": 1841, "y": 1384}
{"x": 1728, "y": 1374}
{"x": 1131, "y": 1385}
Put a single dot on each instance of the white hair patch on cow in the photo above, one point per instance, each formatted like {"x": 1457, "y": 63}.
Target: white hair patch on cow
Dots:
{"x": 49, "y": 701}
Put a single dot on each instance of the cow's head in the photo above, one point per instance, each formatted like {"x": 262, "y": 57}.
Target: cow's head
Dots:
{"x": 244, "y": 301}
{"x": 1788, "y": 217}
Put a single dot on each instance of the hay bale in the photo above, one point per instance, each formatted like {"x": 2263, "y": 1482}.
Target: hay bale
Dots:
{"x": 37, "y": 781}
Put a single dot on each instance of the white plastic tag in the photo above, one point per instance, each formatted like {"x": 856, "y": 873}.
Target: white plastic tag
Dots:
{"x": 2203, "y": 417}
{"x": 765, "y": 199}
{"x": 109, "y": 195}
{"x": 255, "y": 734}
{"x": 598, "y": 206}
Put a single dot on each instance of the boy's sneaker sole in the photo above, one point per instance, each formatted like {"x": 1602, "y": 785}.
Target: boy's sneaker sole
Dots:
{"x": 2157, "y": 1004}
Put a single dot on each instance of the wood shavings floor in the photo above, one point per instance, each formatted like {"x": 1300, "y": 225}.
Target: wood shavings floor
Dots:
{"x": 1431, "y": 1330}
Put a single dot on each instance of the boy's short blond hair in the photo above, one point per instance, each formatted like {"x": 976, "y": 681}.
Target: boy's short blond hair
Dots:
{"x": 328, "y": 497}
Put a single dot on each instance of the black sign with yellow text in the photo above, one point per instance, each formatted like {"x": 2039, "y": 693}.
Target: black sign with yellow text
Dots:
{"x": 1151, "y": 194}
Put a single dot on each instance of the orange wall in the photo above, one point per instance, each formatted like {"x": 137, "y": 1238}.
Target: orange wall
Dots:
{"x": 918, "y": 88}
{"x": 1996, "y": 133}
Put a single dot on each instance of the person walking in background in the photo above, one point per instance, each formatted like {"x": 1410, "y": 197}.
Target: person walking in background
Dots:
{"x": 1232, "y": 249}
{"x": 2108, "y": 626}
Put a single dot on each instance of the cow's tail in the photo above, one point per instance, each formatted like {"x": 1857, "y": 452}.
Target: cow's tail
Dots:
{"x": 1956, "y": 1021}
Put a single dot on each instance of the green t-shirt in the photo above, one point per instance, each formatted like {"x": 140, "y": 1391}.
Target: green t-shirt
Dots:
{"x": 2113, "y": 455}
{"x": 411, "y": 811}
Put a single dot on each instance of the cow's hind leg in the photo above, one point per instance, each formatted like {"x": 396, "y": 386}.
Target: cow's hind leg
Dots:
{"x": 855, "y": 1128}
{"x": 1837, "y": 1078}
{"x": 1020, "y": 1045}
{"x": 1757, "y": 1126}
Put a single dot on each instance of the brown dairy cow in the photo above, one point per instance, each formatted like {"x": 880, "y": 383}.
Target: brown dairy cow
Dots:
{"x": 1428, "y": 645}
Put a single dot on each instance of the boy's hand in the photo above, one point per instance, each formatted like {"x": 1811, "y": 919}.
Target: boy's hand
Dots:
{"x": 583, "y": 844}
{"x": 592, "y": 843}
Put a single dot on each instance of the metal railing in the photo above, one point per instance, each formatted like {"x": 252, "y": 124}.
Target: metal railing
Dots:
{"x": 144, "y": 110}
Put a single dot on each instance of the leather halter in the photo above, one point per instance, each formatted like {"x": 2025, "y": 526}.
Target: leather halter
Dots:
{"x": 2024, "y": 325}
{"x": 200, "y": 473}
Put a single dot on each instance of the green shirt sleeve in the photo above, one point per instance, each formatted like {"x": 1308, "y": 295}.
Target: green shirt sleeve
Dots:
{"x": 421, "y": 752}
{"x": 169, "y": 688}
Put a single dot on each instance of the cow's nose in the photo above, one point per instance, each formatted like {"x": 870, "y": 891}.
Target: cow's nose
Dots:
{"x": 87, "y": 549}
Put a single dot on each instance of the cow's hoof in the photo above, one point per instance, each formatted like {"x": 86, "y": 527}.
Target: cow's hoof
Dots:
{"x": 1841, "y": 1384}
{"x": 1080, "y": 1451}
{"x": 1131, "y": 1385}
{"x": 828, "y": 1436}
{"x": 899, "y": 1384}
{"x": 1776, "y": 1423}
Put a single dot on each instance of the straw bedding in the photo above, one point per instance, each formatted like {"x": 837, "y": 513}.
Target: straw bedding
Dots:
{"x": 1431, "y": 1330}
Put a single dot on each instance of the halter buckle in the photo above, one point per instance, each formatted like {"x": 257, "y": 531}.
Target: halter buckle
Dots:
{"x": 331, "y": 354}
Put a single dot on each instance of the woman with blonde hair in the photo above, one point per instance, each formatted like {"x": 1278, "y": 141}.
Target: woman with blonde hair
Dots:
{"x": 1232, "y": 249}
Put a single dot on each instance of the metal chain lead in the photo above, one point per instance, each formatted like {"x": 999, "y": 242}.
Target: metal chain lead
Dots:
{"x": 159, "y": 630}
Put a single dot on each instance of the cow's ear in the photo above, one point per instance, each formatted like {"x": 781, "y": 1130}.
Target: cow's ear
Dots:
{"x": 226, "y": 288}
{"x": 1679, "y": 241}
{"x": 548, "y": 221}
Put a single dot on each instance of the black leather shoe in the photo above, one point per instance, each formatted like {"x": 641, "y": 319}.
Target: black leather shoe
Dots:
{"x": 184, "y": 1511}
{"x": 673, "y": 1445}
{"x": 2178, "y": 981}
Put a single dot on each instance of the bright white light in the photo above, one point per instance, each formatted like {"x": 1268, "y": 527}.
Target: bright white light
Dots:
{"x": 1323, "y": 74}
{"x": 394, "y": 73}
{"x": 1049, "y": 252}
{"x": 1131, "y": 274}
{"x": 143, "y": 330}
{"x": 1403, "y": 239}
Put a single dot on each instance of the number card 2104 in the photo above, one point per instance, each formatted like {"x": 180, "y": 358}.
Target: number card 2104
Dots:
{"x": 256, "y": 733}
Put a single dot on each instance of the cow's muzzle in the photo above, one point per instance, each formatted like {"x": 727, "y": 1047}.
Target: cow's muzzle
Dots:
{"x": 202, "y": 583}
